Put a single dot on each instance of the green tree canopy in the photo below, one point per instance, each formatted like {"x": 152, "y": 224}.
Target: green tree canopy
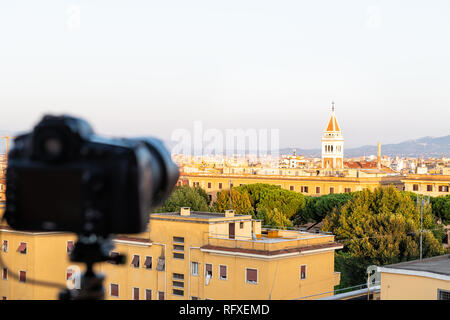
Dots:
{"x": 441, "y": 208}
{"x": 270, "y": 197}
{"x": 317, "y": 208}
{"x": 382, "y": 227}
{"x": 240, "y": 202}
{"x": 273, "y": 218}
{"x": 185, "y": 196}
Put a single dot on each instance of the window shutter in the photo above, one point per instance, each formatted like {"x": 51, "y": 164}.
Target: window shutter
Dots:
{"x": 208, "y": 267}
{"x": 148, "y": 294}
{"x": 135, "y": 261}
{"x": 136, "y": 293}
{"x": 23, "y": 276}
{"x": 114, "y": 290}
{"x": 252, "y": 275}
{"x": 161, "y": 264}
{"x": 22, "y": 247}
{"x": 148, "y": 262}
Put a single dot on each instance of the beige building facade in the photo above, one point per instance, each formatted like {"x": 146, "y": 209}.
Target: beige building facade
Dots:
{"x": 427, "y": 279}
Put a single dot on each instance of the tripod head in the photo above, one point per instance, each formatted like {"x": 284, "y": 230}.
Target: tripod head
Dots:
{"x": 90, "y": 249}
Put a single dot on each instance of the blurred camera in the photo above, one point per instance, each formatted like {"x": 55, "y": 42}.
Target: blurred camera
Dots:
{"x": 63, "y": 177}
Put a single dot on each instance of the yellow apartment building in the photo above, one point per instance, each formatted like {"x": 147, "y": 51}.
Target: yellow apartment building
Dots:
{"x": 430, "y": 185}
{"x": 307, "y": 185}
{"x": 427, "y": 279}
{"x": 185, "y": 255}
{"x": 200, "y": 255}
{"x": 33, "y": 256}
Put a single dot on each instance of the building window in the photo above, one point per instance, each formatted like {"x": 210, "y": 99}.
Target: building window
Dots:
{"x": 178, "y": 247}
{"x": 3, "y": 298}
{"x": 194, "y": 268}
{"x": 177, "y": 255}
{"x": 179, "y": 280}
{"x": 291, "y": 188}
{"x": 161, "y": 295}
{"x": 347, "y": 190}
{"x": 135, "y": 261}
{"x": 148, "y": 262}
{"x": 135, "y": 293}
{"x": 415, "y": 187}
{"x": 318, "y": 190}
{"x": 5, "y": 274}
{"x": 161, "y": 264}
{"x": 194, "y": 298}
{"x": 69, "y": 246}
{"x": 443, "y": 294}
{"x": 196, "y": 184}
{"x": 209, "y": 185}
{"x": 178, "y": 239}
{"x": 331, "y": 190}
{"x": 241, "y": 225}
{"x": 302, "y": 272}
{"x": 208, "y": 272}
{"x": 210, "y": 197}
{"x": 178, "y": 276}
{"x": 22, "y": 248}
{"x": 23, "y": 276}
{"x": 220, "y": 185}
{"x": 304, "y": 189}
{"x": 114, "y": 290}
{"x": 177, "y": 292}
{"x": 148, "y": 294}
{"x": 223, "y": 272}
{"x": 429, "y": 188}
{"x": 252, "y": 276}
{"x": 5, "y": 245}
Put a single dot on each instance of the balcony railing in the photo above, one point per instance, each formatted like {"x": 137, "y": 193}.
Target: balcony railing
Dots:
{"x": 268, "y": 243}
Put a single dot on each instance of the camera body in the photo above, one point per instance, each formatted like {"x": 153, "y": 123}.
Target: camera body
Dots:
{"x": 63, "y": 177}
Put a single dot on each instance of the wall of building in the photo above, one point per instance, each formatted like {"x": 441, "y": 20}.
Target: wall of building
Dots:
{"x": 409, "y": 287}
{"x": 46, "y": 260}
{"x": 324, "y": 183}
{"x": 421, "y": 185}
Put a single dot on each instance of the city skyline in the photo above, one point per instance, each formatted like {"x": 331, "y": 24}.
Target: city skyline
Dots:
{"x": 241, "y": 64}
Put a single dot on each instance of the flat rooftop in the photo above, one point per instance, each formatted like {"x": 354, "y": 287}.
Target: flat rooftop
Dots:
{"x": 201, "y": 215}
{"x": 439, "y": 265}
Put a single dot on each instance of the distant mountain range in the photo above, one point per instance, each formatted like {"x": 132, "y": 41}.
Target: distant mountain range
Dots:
{"x": 424, "y": 147}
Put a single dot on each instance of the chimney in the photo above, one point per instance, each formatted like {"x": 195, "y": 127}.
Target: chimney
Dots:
{"x": 379, "y": 156}
{"x": 229, "y": 213}
{"x": 185, "y": 211}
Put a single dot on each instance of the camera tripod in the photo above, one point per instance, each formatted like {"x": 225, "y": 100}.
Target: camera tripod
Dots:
{"x": 90, "y": 250}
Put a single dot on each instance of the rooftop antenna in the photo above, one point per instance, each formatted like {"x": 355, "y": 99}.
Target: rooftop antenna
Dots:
{"x": 332, "y": 106}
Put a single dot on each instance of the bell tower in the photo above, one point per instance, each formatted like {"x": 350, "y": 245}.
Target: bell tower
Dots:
{"x": 332, "y": 145}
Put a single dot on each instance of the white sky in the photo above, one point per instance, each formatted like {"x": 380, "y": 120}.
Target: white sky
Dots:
{"x": 150, "y": 67}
